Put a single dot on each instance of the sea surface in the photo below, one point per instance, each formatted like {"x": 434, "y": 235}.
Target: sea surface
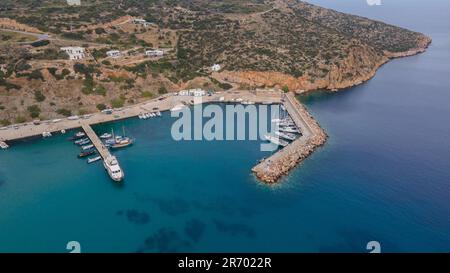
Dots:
{"x": 383, "y": 175}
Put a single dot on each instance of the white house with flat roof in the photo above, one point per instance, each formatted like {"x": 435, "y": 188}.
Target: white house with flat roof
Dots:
{"x": 74, "y": 2}
{"x": 143, "y": 22}
{"x": 154, "y": 53}
{"x": 114, "y": 53}
{"x": 74, "y": 52}
{"x": 216, "y": 67}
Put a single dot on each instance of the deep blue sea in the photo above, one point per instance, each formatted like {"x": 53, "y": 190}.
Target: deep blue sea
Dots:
{"x": 383, "y": 175}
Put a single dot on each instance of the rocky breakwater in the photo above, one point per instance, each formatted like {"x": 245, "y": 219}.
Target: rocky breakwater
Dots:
{"x": 313, "y": 136}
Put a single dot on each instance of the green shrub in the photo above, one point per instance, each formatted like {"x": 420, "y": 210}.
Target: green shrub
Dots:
{"x": 20, "y": 119}
{"x": 38, "y": 96}
{"x": 101, "y": 106}
{"x": 34, "y": 111}
{"x": 117, "y": 103}
{"x": 64, "y": 112}
{"x": 162, "y": 90}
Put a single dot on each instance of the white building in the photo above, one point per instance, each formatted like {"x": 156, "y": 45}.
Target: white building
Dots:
{"x": 216, "y": 67}
{"x": 143, "y": 22}
{"x": 114, "y": 53}
{"x": 74, "y": 2}
{"x": 74, "y": 52}
{"x": 154, "y": 53}
{"x": 193, "y": 92}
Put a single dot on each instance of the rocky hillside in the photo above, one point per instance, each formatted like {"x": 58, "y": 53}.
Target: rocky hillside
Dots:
{"x": 258, "y": 43}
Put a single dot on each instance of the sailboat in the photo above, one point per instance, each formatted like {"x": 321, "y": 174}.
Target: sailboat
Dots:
{"x": 121, "y": 141}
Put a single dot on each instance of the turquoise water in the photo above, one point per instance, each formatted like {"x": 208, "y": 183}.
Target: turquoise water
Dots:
{"x": 383, "y": 175}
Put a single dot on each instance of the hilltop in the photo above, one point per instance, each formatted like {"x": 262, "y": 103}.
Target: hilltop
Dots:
{"x": 274, "y": 43}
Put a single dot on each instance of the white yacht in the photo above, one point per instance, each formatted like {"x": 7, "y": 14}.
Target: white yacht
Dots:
{"x": 277, "y": 141}
{"x": 113, "y": 168}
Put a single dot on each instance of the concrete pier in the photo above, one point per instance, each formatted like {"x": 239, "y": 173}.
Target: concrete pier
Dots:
{"x": 102, "y": 150}
{"x": 279, "y": 164}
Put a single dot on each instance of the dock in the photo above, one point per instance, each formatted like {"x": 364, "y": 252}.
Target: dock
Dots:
{"x": 102, "y": 150}
{"x": 313, "y": 136}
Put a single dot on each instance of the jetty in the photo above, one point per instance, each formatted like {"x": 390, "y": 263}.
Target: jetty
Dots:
{"x": 98, "y": 144}
{"x": 313, "y": 136}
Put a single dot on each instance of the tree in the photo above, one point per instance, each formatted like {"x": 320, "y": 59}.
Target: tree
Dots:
{"x": 162, "y": 90}
{"x": 285, "y": 89}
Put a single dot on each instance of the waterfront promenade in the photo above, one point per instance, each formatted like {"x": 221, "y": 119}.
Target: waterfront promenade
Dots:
{"x": 164, "y": 103}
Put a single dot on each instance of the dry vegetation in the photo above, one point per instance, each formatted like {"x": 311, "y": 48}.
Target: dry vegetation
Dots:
{"x": 301, "y": 41}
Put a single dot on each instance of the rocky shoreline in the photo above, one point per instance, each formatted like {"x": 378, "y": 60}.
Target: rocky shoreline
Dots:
{"x": 281, "y": 163}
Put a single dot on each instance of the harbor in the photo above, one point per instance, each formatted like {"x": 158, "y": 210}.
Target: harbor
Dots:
{"x": 269, "y": 170}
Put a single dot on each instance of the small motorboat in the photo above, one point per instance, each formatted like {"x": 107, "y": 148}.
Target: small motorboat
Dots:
{"x": 78, "y": 135}
{"x": 87, "y": 147}
{"x": 158, "y": 114}
{"x": 277, "y": 141}
{"x": 94, "y": 159}
{"x": 46, "y": 134}
{"x": 106, "y": 136}
{"x": 63, "y": 131}
{"x": 87, "y": 153}
{"x": 78, "y": 141}
{"x": 289, "y": 130}
{"x": 84, "y": 142}
{"x": 3, "y": 145}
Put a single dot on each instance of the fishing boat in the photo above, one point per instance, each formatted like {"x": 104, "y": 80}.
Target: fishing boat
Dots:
{"x": 87, "y": 153}
{"x": 106, "y": 136}
{"x": 113, "y": 168}
{"x": 94, "y": 159}
{"x": 277, "y": 141}
{"x": 3, "y": 145}
{"x": 87, "y": 147}
{"x": 287, "y": 136}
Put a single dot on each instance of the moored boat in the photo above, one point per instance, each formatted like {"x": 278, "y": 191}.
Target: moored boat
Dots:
{"x": 78, "y": 135}
{"x": 113, "y": 168}
{"x": 78, "y": 141}
{"x": 276, "y": 140}
{"x": 84, "y": 142}
{"x": 3, "y": 145}
{"x": 289, "y": 130}
{"x": 87, "y": 147}
{"x": 287, "y": 136}
{"x": 87, "y": 153}
{"x": 94, "y": 159}
{"x": 106, "y": 136}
